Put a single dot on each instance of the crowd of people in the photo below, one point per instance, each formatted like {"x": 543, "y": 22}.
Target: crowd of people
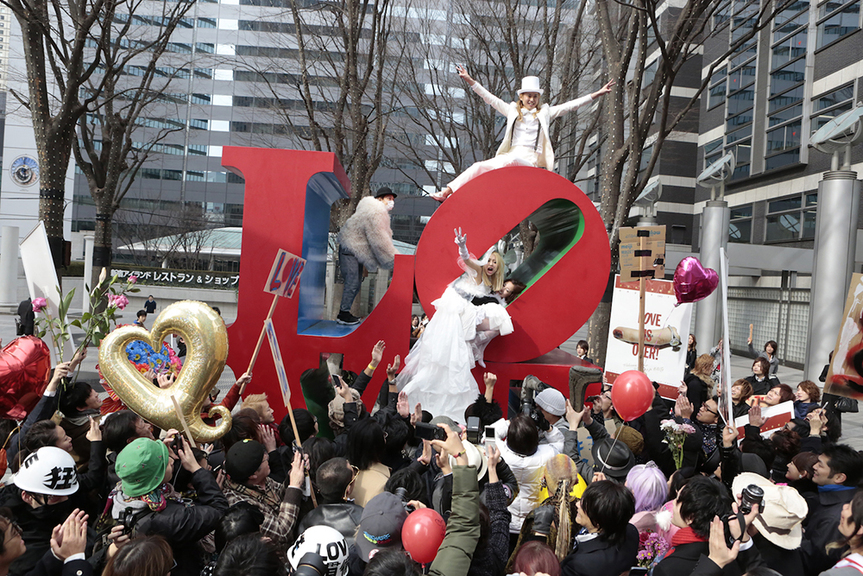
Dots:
{"x": 520, "y": 493}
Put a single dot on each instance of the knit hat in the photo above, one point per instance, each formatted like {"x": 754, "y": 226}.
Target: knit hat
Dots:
{"x": 336, "y": 409}
{"x": 781, "y": 520}
{"x": 552, "y": 401}
{"x": 381, "y": 524}
{"x": 243, "y": 459}
{"x": 141, "y": 466}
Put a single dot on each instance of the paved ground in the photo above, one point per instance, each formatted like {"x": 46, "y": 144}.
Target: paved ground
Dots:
{"x": 740, "y": 367}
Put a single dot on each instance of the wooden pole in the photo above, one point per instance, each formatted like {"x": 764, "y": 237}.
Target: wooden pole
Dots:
{"x": 182, "y": 418}
{"x": 297, "y": 442}
{"x": 261, "y": 337}
{"x": 641, "y": 242}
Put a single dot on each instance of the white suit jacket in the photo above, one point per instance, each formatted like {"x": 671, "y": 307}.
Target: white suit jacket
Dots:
{"x": 546, "y": 114}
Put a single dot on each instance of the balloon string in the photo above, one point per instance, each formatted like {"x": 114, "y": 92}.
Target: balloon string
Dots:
{"x": 611, "y": 450}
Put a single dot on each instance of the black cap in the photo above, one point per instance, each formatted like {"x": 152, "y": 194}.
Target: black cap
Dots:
{"x": 243, "y": 459}
{"x": 385, "y": 191}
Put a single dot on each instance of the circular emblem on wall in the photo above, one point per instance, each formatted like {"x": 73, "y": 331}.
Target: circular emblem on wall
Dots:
{"x": 24, "y": 170}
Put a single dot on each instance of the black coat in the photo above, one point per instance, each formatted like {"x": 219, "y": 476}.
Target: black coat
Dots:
{"x": 692, "y": 559}
{"x": 598, "y": 557}
{"x": 697, "y": 392}
{"x": 343, "y": 516}
{"x": 50, "y": 565}
{"x": 822, "y": 528}
{"x": 786, "y": 562}
{"x": 183, "y": 526}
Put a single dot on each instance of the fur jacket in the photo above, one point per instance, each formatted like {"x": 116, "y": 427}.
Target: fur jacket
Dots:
{"x": 368, "y": 235}
{"x": 545, "y": 115}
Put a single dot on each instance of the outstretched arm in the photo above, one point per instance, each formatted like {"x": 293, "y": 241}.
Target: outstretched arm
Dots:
{"x": 567, "y": 107}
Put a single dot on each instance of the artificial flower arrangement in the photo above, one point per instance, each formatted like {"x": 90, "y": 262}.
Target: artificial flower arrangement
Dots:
{"x": 675, "y": 436}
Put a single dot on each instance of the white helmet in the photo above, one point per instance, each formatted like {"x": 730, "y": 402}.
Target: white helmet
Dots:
{"x": 49, "y": 470}
{"x": 326, "y": 542}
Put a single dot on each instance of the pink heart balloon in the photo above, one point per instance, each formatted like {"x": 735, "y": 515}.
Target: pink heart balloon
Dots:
{"x": 694, "y": 282}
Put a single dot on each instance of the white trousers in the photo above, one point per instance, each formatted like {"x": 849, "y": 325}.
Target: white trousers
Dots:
{"x": 517, "y": 156}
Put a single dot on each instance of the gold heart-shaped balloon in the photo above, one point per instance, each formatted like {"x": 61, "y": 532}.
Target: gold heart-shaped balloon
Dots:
{"x": 206, "y": 351}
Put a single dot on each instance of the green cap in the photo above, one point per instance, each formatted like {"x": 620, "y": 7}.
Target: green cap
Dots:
{"x": 141, "y": 466}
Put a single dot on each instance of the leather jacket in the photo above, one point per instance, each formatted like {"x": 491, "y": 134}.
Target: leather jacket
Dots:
{"x": 343, "y": 516}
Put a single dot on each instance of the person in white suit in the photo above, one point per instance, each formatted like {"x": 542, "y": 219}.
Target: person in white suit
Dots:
{"x": 526, "y": 141}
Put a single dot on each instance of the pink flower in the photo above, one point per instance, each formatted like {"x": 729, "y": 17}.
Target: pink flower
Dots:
{"x": 133, "y": 279}
{"x": 39, "y": 304}
{"x": 118, "y": 301}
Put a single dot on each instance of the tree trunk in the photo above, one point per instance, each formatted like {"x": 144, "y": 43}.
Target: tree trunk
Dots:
{"x": 102, "y": 243}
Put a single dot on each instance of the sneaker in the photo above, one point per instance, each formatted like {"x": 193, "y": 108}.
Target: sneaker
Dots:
{"x": 347, "y": 318}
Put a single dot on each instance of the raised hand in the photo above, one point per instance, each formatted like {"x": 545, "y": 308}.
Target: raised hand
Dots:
{"x": 94, "y": 434}
{"x": 683, "y": 407}
{"x": 268, "y": 439}
{"x": 378, "y": 352}
{"x": 460, "y": 238}
{"x": 393, "y": 369}
{"x": 462, "y": 73}
{"x": 402, "y": 405}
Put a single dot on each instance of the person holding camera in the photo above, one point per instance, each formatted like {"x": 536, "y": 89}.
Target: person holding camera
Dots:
{"x": 248, "y": 468}
{"x": 518, "y": 442}
{"x": 699, "y": 506}
{"x": 145, "y": 468}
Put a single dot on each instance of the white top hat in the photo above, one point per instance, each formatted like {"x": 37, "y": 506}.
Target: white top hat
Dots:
{"x": 530, "y": 84}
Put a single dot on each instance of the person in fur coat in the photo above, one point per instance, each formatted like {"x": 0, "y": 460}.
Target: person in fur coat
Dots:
{"x": 366, "y": 240}
{"x": 526, "y": 141}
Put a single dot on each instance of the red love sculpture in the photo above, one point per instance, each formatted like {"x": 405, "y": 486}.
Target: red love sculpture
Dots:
{"x": 692, "y": 281}
{"x": 25, "y": 364}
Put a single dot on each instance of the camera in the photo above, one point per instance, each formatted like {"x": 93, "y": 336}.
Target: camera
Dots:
{"x": 473, "y": 430}
{"x": 528, "y": 408}
{"x": 311, "y": 564}
{"x": 428, "y": 432}
{"x": 402, "y": 493}
{"x": 751, "y": 495}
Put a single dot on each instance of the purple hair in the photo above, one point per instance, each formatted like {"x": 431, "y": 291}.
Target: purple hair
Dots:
{"x": 648, "y": 485}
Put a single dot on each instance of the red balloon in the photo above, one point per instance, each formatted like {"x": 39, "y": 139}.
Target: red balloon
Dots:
{"x": 631, "y": 394}
{"x": 25, "y": 364}
{"x": 422, "y": 534}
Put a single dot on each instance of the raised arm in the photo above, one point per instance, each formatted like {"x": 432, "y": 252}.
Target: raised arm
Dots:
{"x": 461, "y": 242}
{"x": 487, "y": 96}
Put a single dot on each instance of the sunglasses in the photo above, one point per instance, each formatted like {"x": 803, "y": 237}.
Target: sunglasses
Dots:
{"x": 356, "y": 472}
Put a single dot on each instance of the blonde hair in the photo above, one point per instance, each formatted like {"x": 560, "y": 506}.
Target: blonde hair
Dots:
{"x": 256, "y": 402}
{"x": 520, "y": 106}
{"x": 496, "y": 281}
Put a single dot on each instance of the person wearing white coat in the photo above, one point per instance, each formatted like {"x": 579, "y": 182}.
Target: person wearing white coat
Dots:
{"x": 526, "y": 141}
{"x": 518, "y": 442}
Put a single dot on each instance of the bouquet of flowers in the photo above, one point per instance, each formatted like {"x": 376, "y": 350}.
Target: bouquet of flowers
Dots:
{"x": 106, "y": 298}
{"x": 651, "y": 547}
{"x": 675, "y": 436}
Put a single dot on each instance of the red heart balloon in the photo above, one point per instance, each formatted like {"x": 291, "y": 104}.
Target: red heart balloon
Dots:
{"x": 694, "y": 282}
{"x": 25, "y": 364}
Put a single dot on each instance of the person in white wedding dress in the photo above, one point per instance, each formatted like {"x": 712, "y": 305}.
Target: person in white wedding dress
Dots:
{"x": 437, "y": 372}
